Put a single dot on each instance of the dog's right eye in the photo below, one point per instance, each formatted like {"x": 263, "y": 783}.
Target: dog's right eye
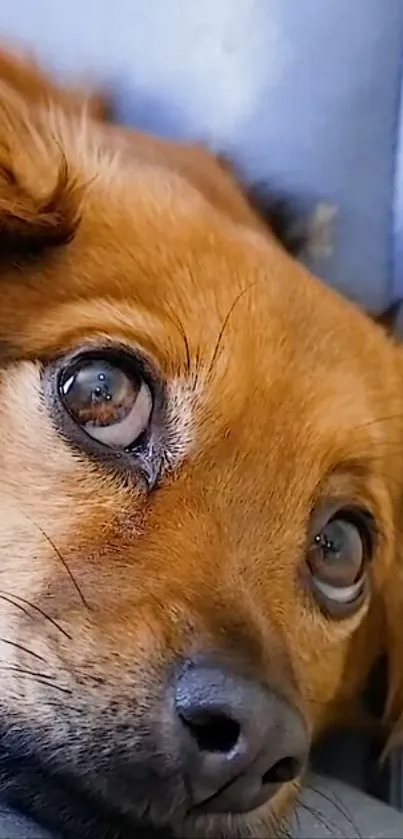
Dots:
{"x": 109, "y": 400}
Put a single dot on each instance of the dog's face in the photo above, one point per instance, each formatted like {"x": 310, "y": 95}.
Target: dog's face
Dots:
{"x": 200, "y": 474}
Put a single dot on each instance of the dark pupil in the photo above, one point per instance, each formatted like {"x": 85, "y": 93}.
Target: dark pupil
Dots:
{"x": 333, "y": 539}
{"x": 99, "y": 394}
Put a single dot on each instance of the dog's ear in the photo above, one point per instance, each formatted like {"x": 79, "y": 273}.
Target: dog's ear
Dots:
{"x": 39, "y": 195}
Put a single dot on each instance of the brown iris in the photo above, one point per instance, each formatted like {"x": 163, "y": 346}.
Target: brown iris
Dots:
{"x": 337, "y": 554}
{"x": 110, "y": 403}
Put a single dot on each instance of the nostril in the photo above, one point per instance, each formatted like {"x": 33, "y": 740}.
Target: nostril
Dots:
{"x": 213, "y": 732}
{"x": 284, "y": 770}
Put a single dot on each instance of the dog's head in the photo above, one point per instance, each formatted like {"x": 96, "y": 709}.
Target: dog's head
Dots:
{"x": 200, "y": 478}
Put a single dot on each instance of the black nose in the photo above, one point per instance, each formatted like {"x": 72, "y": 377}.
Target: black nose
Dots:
{"x": 239, "y": 740}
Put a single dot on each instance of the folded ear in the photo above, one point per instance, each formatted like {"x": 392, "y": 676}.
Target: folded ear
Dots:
{"x": 39, "y": 195}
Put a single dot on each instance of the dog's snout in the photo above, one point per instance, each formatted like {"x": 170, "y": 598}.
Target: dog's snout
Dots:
{"x": 239, "y": 740}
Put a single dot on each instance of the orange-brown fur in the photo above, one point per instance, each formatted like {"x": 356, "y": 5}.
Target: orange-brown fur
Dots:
{"x": 106, "y": 234}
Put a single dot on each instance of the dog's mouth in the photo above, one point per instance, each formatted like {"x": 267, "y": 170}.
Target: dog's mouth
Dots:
{"x": 94, "y": 791}
{"x": 218, "y": 754}
{"x": 109, "y": 823}
{"x": 70, "y": 807}
{"x": 95, "y": 819}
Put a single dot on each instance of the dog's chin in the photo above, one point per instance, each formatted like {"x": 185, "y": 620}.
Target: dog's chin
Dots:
{"x": 267, "y": 822}
{"x": 259, "y": 824}
{"x": 73, "y": 815}
{"x": 78, "y": 802}
{"x": 70, "y": 812}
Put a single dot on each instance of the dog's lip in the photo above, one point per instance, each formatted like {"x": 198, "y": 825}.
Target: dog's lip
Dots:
{"x": 126, "y": 826}
{"x": 212, "y": 800}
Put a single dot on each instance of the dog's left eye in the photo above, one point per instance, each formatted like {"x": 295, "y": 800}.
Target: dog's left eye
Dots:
{"x": 109, "y": 401}
{"x": 337, "y": 561}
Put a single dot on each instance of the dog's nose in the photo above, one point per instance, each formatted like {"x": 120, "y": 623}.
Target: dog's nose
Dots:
{"x": 239, "y": 740}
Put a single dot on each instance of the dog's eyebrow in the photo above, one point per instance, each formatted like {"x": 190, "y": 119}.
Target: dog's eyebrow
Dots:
{"x": 349, "y": 477}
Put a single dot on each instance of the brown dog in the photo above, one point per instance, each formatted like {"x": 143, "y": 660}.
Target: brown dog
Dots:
{"x": 201, "y": 481}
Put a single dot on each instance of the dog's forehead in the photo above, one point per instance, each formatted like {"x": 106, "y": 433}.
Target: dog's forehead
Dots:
{"x": 156, "y": 265}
